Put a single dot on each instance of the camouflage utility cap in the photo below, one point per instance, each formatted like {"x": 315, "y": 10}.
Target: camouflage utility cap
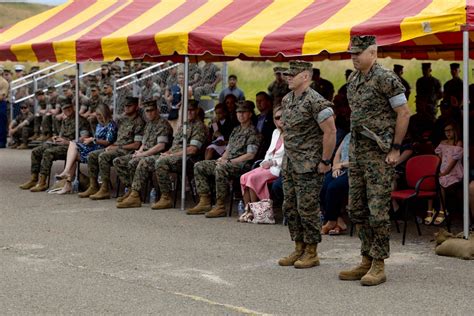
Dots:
{"x": 359, "y": 43}
{"x": 298, "y": 66}
{"x": 149, "y": 104}
{"x": 65, "y": 103}
{"x": 279, "y": 70}
{"x": 245, "y": 106}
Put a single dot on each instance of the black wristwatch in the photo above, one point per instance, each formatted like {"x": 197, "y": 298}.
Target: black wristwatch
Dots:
{"x": 327, "y": 162}
{"x": 396, "y": 146}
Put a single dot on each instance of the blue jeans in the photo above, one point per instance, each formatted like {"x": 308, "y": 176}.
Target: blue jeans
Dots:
{"x": 277, "y": 191}
{"x": 334, "y": 195}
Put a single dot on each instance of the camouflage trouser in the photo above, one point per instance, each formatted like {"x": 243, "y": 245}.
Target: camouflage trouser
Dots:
{"x": 37, "y": 124}
{"x": 100, "y": 161}
{"x": 142, "y": 172}
{"x": 22, "y": 134}
{"x": 56, "y": 126}
{"x": 203, "y": 90}
{"x": 163, "y": 167}
{"x": 204, "y": 170}
{"x": 47, "y": 125}
{"x": 42, "y": 157}
{"x": 300, "y": 204}
{"x": 370, "y": 186}
{"x": 133, "y": 172}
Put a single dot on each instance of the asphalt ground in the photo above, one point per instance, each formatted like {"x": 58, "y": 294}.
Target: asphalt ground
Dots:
{"x": 65, "y": 255}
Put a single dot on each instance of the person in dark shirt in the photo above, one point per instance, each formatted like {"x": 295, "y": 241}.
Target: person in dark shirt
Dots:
{"x": 322, "y": 86}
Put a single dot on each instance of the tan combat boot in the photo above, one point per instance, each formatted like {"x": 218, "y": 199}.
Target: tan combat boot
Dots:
{"x": 163, "y": 203}
{"x": 295, "y": 255}
{"x": 33, "y": 181}
{"x": 133, "y": 200}
{"x": 218, "y": 210}
{"x": 309, "y": 259}
{"x": 92, "y": 189}
{"x": 124, "y": 197}
{"x": 41, "y": 185}
{"x": 22, "y": 146}
{"x": 358, "y": 272}
{"x": 103, "y": 193}
{"x": 202, "y": 207}
{"x": 34, "y": 137}
{"x": 376, "y": 274}
{"x": 42, "y": 138}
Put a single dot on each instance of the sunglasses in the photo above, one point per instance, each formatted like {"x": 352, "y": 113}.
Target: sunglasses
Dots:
{"x": 150, "y": 110}
{"x": 23, "y": 107}
{"x": 277, "y": 118}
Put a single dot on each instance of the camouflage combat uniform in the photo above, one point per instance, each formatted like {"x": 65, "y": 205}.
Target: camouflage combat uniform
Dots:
{"x": 206, "y": 85}
{"x": 22, "y": 134}
{"x": 372, "y": 98}
{"x": 303, "y": 152}
{"x": 196, "y": 136}
{"x": 138, "y": 169}
{"x": 241, "y": 141}
{"x": 130, "y": 129}
{"x": 42, "y": 123}
{"x": 278, "y": 89}
{"x": 42, "y": 157}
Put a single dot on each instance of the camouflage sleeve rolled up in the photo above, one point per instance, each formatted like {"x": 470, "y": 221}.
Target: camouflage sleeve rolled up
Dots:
{"x": 393, "y": 89}
{"x": 243, "y": 141}
{"x": 130, "y": 130}
{"x": 198, "y": 134}
{"x": 157, "y": 131}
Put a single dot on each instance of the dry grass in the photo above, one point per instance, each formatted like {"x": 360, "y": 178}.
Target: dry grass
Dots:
{"x": 11, "y": 13}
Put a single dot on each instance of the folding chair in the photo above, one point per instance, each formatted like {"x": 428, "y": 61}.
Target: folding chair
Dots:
{"x": 422, "y": 181}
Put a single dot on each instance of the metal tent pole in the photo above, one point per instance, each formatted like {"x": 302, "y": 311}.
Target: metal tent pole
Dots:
{"x": 466, "y": 129}
{"x": 76, "y": 111}
{"x": 185, "y": 130}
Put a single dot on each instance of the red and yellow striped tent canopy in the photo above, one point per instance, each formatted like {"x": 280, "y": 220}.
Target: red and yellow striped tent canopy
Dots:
{"x": 106, "y": 30}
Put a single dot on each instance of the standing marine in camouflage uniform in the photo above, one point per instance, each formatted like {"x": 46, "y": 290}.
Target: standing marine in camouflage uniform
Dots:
{"x": 379, "y": 121}
{"x": 129, "y": 137}
{"x": 171, "y": 160}
{"x": 428, "y": 86}
{"x": 242, "y": 148}
{"x": 21, "y": 128}
{"x": 309, "y": 134}
{"x": 134, "y": 169}
{"x": 279, "y": 87}
{"x": 42, "y": 157}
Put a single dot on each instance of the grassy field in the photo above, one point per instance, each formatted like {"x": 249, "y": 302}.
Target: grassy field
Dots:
{"x": 255, "y": 76}
{"x": 14, "y": 12}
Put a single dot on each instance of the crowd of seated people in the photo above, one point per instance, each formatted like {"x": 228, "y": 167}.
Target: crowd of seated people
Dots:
{"x": 140, "y": 142}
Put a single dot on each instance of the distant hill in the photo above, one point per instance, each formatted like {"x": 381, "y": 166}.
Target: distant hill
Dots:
{"x": 12, "y": 13}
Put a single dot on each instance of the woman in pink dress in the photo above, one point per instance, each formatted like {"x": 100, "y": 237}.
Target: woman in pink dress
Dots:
{"x": 450, "y": 150}
{"x": 254, "y": 183}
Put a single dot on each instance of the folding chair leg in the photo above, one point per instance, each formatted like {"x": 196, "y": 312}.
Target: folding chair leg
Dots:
{"x": 177, "y": 188}
{"x": 397, "y": 226}
{"x": 417, "y": 226}
{"x": 405, "y": 220}
{"x": 231, "y": 204}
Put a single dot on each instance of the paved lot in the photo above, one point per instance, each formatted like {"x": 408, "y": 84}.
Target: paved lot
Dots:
{"x": 62, "y": 254}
